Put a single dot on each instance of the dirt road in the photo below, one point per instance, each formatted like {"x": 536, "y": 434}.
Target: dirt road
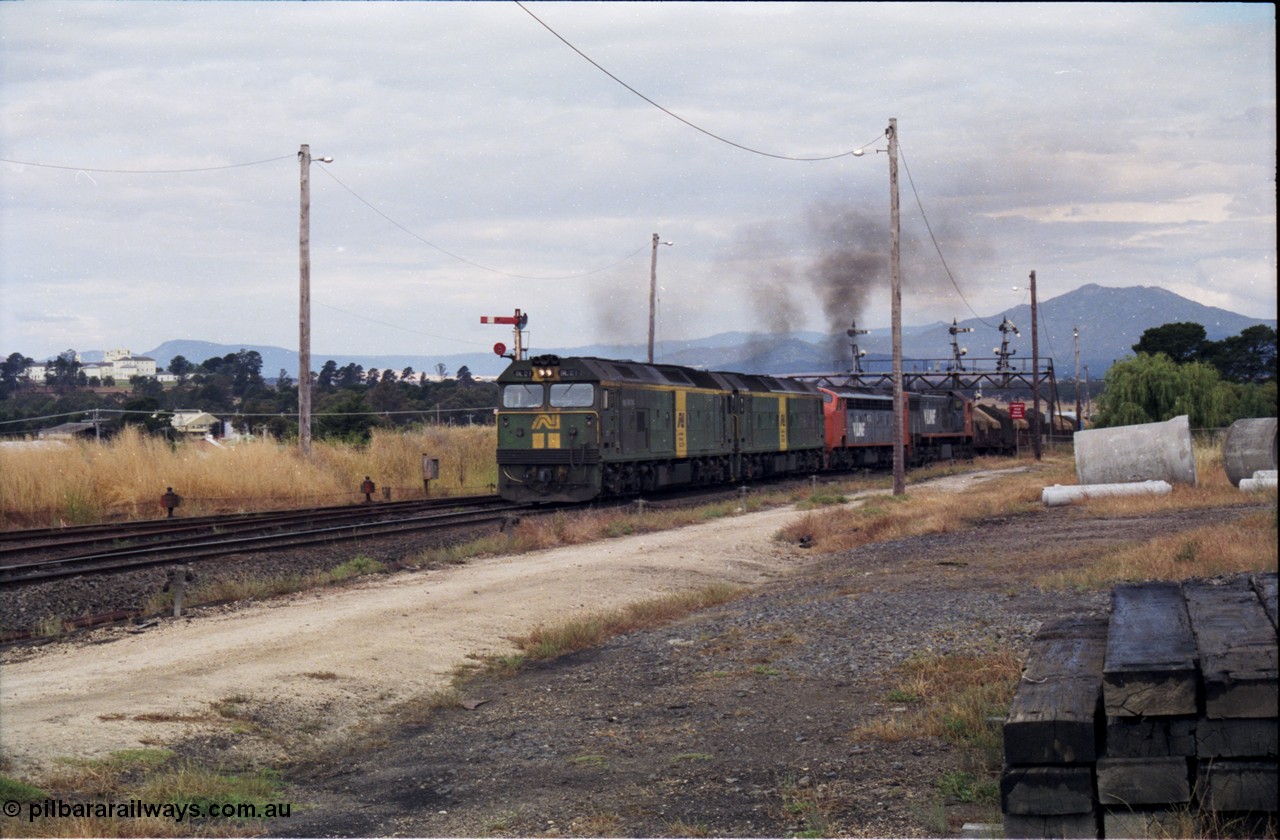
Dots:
{"x": 340, "y": 655}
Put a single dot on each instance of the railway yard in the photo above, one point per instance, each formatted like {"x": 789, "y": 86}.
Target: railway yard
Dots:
{"x": 744, "y": 719}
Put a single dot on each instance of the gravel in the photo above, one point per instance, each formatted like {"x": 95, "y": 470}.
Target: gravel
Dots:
{"x": 736, "y": 721}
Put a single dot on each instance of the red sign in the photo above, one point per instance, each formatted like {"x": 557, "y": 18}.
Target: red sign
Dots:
{"x": 500, "y": 349}
{"x": 1018, "y": 410}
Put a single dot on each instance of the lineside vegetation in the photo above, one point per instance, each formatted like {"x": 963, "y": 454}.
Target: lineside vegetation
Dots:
{"x": 86, "y": 482}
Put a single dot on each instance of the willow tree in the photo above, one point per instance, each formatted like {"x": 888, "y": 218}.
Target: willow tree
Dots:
{"x": 1153, "y": 388}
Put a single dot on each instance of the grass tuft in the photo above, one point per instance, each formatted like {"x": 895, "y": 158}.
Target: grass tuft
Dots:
{"x": 956, "y": 697}
{"x": 549, "y": 642}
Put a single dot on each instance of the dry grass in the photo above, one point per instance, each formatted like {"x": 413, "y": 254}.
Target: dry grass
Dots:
{"x": 548, "y": 642}
{"x": 228, "y": 589}
{"x": 950, "y": 697}
{"x": 1245, "y": 545}
{"x": 958, "y": 698}
{"x": 887, "y": 517}
{"x": 86, "y": 482}
{"x": 538, "y": 533}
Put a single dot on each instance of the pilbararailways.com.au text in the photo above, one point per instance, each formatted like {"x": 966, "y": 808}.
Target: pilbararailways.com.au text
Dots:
{"x": 137, "y": 809}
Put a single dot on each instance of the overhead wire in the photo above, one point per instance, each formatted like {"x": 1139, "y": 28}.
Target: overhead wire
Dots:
{"x": 472, "y": 263}
{"x": 672, "y": 114}
{"x": 934, "y": 239}
{"x": 145, "y": 171}
{"x": 357, "y": 196}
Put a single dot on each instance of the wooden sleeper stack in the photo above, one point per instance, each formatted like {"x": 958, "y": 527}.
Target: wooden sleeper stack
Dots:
{"x": 1181, "y": 685}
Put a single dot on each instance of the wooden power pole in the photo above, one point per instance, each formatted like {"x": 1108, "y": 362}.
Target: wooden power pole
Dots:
{"x": 304, "y": 306}
{"x": 895, "y": 275}
{"x": 304, "y": 301}
{"x": 653, "y": 292}
{"x": 1035, "y": 373}
{"x": 1075, "y": 335}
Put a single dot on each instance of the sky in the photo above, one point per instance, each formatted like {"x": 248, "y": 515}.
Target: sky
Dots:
{"x": 495, "y": 156}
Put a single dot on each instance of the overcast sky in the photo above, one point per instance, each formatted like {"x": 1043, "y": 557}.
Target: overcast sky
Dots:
{"x": 481, "y": 164}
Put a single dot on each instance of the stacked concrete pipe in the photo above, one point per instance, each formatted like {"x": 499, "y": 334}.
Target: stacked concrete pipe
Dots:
{"x": 1146, "y": 452}
{"x": 1250, "y": 446}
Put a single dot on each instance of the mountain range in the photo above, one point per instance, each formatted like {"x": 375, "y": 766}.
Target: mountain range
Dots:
{"x": 1110, "y": 322}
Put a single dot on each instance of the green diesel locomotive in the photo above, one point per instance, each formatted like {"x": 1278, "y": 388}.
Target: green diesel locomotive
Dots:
{"x": 572, "y": 429}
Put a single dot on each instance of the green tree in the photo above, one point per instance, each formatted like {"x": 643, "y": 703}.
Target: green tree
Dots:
{"x": 346, "y": 416}
{"x": 351, "y": 375}
{"x": 215, "y": 364}
{"x": 328, "y": 372}
{"x": 11, "y": 373}
{"x": 145, "y": 386}
{"x": 1152, "y": 389}
{"x": 180, "y": 367}
{"x": 1247, "y": 357}
{"x": 246, "y": 375}
{"x": 65, "y": 374}
{"x": 144, "y": 411}
{"x": 1252, "y": 400}
{"x": 1182, "y": 342}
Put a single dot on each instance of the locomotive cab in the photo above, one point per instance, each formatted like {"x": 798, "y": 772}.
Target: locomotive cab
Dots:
{"x": 548, "y": 432}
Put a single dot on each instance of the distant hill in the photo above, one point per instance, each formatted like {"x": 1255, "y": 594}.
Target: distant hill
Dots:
{"x": 1110, "y": 320}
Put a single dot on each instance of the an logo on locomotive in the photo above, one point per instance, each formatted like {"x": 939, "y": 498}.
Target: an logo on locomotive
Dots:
{"x": 549, "y": 439}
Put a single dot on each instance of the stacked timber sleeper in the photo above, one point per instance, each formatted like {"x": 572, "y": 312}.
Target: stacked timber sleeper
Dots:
{"x": 1137, "y": 724}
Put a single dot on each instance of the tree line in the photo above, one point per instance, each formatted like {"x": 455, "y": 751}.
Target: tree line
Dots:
{"x": 1177, "y": 370}
{"x": 347, "y": 403}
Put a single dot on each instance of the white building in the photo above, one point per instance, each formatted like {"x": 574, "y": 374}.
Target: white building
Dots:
{"x": 194, "y": 422}
{"x": 125, "y": 365}
{"x": 120, "y": 365}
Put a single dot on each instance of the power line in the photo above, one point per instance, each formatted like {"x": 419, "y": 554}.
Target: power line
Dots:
{"x": 145, "y": 171}
{"x": 671, "y": 114}
{"x": 472, "y": 263}
{"x": 934, "y": 239}
{"x": 51, "y": 416}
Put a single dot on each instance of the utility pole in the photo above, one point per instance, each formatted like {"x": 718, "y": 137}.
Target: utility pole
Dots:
{"x": 304, "y": 301}
{"x": 304, "y": 307}
{"x": 653, "y": 290}
{"x": 1088, "y": 408}
{"x": 1075, "y": 335}
{"x": 1035, "y": 373}
{"x": 895, "y": 274}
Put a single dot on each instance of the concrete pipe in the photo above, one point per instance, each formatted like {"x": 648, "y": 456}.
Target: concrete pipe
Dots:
{"x": 1149, "y": 452}
{"x": 1262, "y": 480}
{"x": 1059, "y": 494}
{"x": 1250, "y": 445}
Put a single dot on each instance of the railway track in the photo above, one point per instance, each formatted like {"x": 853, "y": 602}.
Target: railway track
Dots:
{"x": 33, "y": 555}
